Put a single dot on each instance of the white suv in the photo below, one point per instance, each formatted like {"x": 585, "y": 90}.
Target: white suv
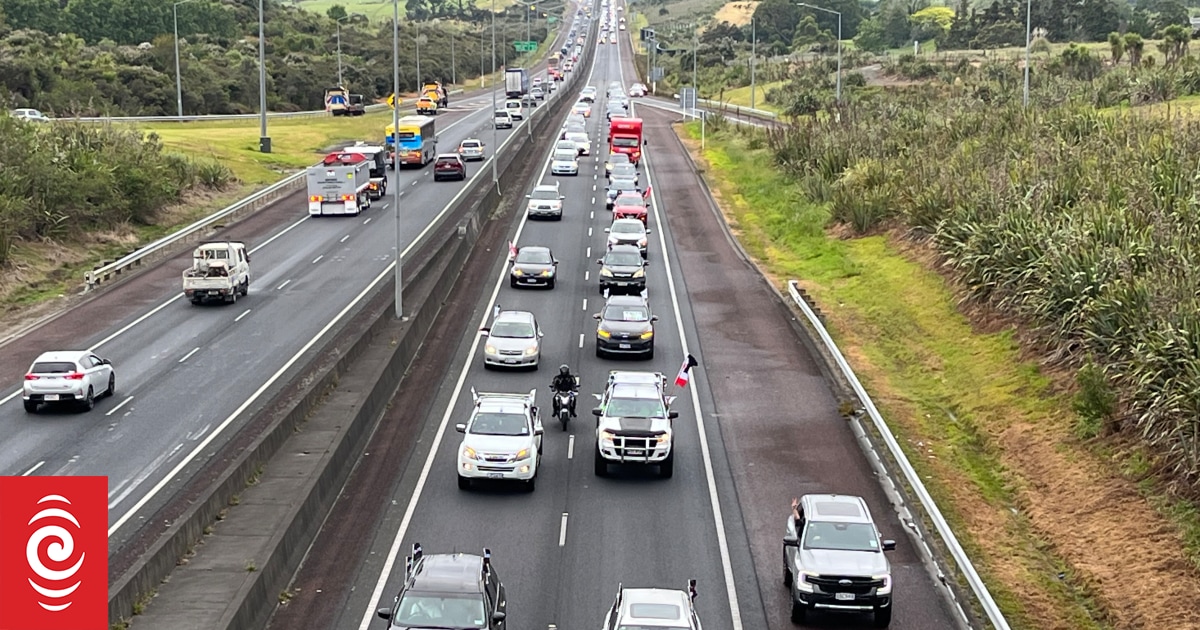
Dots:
{"x": 634, "y": 425}
{"x": 654, "y": 608}
{"x": 545, "y": 201}
{"x": 502, "y": 440}
{"x": 78, "y": 377}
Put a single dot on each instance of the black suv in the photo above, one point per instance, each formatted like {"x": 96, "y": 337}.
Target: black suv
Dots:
{"x": 448, "y": 590}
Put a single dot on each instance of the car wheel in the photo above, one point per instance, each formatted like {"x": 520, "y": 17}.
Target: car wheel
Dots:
{"x": 799, "y": 612}
{"x": 600, "y": 465}
{"x": 89, "y": 401}
{"x": 650, "y": 355}
{"x": 667, "y": 468}
{"x": 512, "y": 282}
{"x": 883, "y": 617}
{"x": 531, "y": 484}
{"x": 112, "y": 385}
{"x": 31, "y": 406}
{"x": 464, "y": 483}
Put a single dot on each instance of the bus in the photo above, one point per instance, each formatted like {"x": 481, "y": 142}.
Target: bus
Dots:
{"x": 418, "y": 144}
{"x": 552, "y": 67}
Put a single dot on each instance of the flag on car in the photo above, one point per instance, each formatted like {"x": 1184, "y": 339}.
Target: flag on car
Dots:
{"x": 646, "y": 195}
{"x": 681, "y": 379}
{"x": 512, "y": 249}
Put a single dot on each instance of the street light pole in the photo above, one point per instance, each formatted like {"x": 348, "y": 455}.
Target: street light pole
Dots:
{"x": 495, "y": 133}
{"x": 453, "y": 70}
{"x": 396, "y": 152}
{"x": 418, "y": 43}
{"x": 178, "y": 80}
{"x": 1028, "y": 46}
{"x": 753, "y": 58}
{"x": 839, "y": 52}
{"x": 264, "y": 141}
{"x": 338, "y": 23}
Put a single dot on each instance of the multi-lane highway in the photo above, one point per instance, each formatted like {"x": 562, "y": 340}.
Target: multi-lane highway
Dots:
{"x": 563, "y": 549}
{"x": 188, "y": 377}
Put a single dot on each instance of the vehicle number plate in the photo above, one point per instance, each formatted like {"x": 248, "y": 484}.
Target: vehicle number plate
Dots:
{"x": 844, "y": 597}
{"x": 495, "y": 476}
{"x": 636, "y": 451}
{"x": 510, "y": 360}
{"x": 51, "y": 396}
{"x": 624, "y": 346}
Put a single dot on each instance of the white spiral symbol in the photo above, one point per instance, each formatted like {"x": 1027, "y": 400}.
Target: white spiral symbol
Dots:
{"x": 59, "y": 550}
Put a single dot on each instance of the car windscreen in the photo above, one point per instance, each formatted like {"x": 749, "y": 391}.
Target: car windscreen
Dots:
{"x": 470, "y": 144}
{"x": 627, "y": 227}
{"x": 624, "y": 170}
{"x": 494, "y": 423}
{"x": 626, "y": 313}
{"x": 418, "y": 610}
{"x": 545, "y": 194}
{"x": 623, "y": 184}
{"x": 500, "y": 113}
{"x": 840, "y": 536}
{"x": 618, "y": 158}
{"x": 635, "y": 408}
{"x": 564, "y": 156}
{"x": 53, "y": 367}
{"x": 513, "y": 330}
{"x": 625, "y": 142}
{"x": 534, "y": 257}
{"x": 513, "y": 105}
{"x": 627, "y": 200}
{"x": 623, "y": 259}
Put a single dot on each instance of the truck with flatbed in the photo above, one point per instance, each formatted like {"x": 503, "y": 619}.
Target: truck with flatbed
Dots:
{"x": 220, "y": 271}
{"x": 338, "y": 189}
{"x": 375, "y": 157}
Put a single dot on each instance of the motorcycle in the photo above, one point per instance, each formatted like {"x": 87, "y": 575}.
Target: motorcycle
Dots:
{"x": 563, "y": 401}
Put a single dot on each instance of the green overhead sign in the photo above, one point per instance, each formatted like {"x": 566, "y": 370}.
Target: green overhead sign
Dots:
{"x": 525, "y": 46}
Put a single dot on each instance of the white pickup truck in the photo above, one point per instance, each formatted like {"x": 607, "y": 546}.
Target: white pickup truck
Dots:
{"x": 219, "y": 271}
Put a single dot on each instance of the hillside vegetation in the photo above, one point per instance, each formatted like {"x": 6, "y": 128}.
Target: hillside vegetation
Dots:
{"x": 116, "y": 57}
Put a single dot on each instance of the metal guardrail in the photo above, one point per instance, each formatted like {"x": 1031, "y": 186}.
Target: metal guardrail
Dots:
{"x": 980, "y": 590}
{"x": 201, "y": 117}
{"x": 737, "y": 109}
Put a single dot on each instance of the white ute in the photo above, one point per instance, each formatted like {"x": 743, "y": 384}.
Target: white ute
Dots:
{"x": 654, "y": 608}
{"x": 219, "y": 271}
{"x": 634, "y": 424}
{"x": 502, "y": 440}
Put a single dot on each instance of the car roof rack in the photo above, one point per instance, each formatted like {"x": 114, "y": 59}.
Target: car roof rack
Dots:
{"x": 410, "y": 563}
{"x": 692, "y": 589}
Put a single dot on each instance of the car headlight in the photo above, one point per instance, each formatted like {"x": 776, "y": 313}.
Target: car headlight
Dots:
{"x": 531, "y": 350}
{"x": 640, "y": 273}
{"x": 489, "y": 349}
{"x": 641, "y": 242}
{"x": 603, "y": 333}
{"x": 606, "y": 273}
{"x": 517, "y": 272}
{"x": 664, "y": 438}
{"x": 607, "y": 436}
{"x": 648, "y": 334}
{"x": 468, "y": 452}
{"x": 887, "y": 584}
{"x": 802, "y": 583}
{"x": 546, "y": 273}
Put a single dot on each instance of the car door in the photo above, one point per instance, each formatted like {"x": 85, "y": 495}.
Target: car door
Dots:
{"x": 100, "y": 373}
{"x": 499, "y": 598}
{"x": 91, "y": 368}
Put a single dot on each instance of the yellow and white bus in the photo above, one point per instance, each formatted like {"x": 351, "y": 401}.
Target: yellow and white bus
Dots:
{"x": 418, "y": 142}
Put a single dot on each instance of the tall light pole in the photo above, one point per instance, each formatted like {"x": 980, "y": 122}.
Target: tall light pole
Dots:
{"x": 1028, "y": 46}
{"x": 338, "y": 24}
{"x": 495, "y": 133}
{"x": 178, "y": 81}
{"x": 417, "y": 41}
{"x": 453, "y": 70}
{"x": 396, "y": 151}
{"x": 264, "y": 141}
{"x": 839, "y": 37}
{"x": 753, "y": 58}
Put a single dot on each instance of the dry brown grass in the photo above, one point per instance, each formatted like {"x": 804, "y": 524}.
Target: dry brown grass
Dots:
{"x": 736, "y": 13}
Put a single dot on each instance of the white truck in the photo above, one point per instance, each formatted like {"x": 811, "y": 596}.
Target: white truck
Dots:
{"x": 339, "y": 189}
{"x": 376, "y": 158}
{"x": 634, "y": 423}
{"x": 219, "y": 271}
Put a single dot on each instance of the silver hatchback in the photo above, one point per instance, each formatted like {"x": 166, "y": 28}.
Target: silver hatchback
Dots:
{"x": 513, "y": 340}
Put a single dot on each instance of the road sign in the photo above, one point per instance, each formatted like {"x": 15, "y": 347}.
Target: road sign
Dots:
{"x": 687, "y": 98}
{"x": 656, "y": 73}
{"x": 525, "y": 46}
{"x": 392, "y": 101}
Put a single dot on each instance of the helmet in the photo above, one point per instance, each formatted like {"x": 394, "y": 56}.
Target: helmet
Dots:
{"x": 564, "y": 370}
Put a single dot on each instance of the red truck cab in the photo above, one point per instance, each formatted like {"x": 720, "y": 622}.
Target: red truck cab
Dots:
{"x": 625, "y": 136}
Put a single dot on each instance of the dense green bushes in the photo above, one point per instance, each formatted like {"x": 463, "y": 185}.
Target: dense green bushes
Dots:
{"x": 1085, "y": 224}
{"x": 64, "y": 180}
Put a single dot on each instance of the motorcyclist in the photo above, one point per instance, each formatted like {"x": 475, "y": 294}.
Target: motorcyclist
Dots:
{"x": 564, "y": 381}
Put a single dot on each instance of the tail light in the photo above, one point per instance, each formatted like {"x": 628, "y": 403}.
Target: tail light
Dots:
{"x": 316, "y": 198}
{"x": 374, "y": 186}
{"x": 74, "y": 376}
{"x": 32, "y": 377}
{"x": 347, "y": 197}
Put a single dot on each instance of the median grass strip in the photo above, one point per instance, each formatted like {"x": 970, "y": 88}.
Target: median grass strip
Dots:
{"x": 1063, "y": 537}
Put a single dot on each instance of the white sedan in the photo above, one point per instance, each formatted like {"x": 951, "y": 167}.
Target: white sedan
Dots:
{"x": 564, "y": 163}
{"x": 73, "y": 377}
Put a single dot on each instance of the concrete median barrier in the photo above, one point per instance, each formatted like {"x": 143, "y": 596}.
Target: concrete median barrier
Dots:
{"x": 236, "y": 534}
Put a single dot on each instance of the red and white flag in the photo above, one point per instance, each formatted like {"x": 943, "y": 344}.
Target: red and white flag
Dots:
{"x": 512, "y": 249}
{"x": 681, "y": 379}
{"x": 646, "y": 195}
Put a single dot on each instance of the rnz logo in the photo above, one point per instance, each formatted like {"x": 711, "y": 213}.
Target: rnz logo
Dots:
{"x": 56, "y": 542}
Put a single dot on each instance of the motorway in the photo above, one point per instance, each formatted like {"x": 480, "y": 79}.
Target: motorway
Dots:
{"x": 188, "y": 377}
{"x": 757, "y": 426}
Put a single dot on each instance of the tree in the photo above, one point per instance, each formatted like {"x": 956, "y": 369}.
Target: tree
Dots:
{"x": 1116, "y": 44}
{"x": 336, "y": 12}
{"x": 42, "y": 15}
{"x": 1134, "y": 45}
{"x": 931, "y": 23}
{"x": 776, "y": 21}
{"x": 1174, "y": 44}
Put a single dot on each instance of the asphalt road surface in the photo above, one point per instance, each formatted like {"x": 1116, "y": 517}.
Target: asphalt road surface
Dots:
{"x": 189, "y": 376}
{"x": 757, "y": 426}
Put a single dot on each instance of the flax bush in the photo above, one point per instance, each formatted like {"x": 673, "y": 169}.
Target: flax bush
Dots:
{"x": 1084, "y": 224}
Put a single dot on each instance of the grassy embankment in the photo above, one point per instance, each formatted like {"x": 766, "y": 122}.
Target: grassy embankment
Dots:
{"x": 971, "y": 410}
{"x": 379, "y": 10}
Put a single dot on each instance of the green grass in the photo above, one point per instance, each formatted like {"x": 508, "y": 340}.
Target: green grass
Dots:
{"x": 380, "y": 10}
{"x": 741, "y": 96}
{"x": 699, "y": 10}
{"x": 940, "y": 383}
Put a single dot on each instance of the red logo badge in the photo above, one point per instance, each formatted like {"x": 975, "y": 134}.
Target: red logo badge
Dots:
{"x": 53, "y": 553}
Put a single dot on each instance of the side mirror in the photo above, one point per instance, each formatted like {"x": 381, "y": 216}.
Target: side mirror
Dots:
{"x": 485, "y": 329}
{"x": 599, "y": 261}
{"x": 654, "y": 318}
{"x": 538, "y": 430}
{"x": 791, "y": 541}
{"x": 606, "y": 230}
{"x": 596, "y": 316}
{"x": 596, "y": 412}
{"x": 461, "y": 428}
{"x": 555, "y": 263}
{"x": 541, "y": 334}
{"x": 384, "y": 613}
{"x": 671, "y": 415}
{"x": 498, "y": 615}
{"x": 648, "y": 231}
{"x": 529, "y": 196}
{"x": 889, "y": 545}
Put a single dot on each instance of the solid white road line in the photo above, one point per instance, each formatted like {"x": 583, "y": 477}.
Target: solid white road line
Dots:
{"x": 394, "y": 552}
{"x": 244, "y": 313}
{"x": 709, "y": 476}
{"x": 34, "y": 469}
{"x": 562, "y": 531}
{"x": 386, "y": 273}
{"x": 119, "y": 405}
{"x": 189, "y": 355}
